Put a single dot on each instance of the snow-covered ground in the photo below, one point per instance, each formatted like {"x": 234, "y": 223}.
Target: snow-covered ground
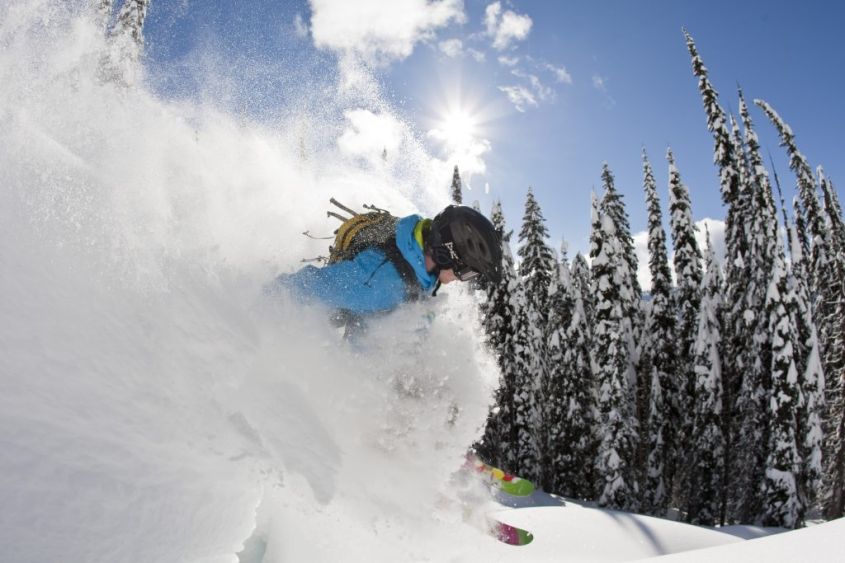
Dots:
{"x": 156, "y": 406}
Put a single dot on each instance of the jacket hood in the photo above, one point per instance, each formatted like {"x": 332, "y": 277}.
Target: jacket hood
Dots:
{"x": 412, "y": 251}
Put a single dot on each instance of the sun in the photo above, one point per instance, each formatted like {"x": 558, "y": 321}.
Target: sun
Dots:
{"x": 457, "y": 127}
{"x": 458, "y": 122}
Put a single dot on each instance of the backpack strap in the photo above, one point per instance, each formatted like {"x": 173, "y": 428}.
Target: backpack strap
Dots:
{"x": 406, "y": 271}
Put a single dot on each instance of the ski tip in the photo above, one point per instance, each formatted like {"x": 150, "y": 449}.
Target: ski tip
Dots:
{"x": 510, "y": 535}
{"x": 517, "y": 487}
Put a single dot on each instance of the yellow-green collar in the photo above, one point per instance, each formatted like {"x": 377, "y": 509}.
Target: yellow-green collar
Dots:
{"x": 418, "y": 231}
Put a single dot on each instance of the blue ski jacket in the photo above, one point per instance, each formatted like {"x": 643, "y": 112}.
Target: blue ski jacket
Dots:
{"x": 367, "y": 284}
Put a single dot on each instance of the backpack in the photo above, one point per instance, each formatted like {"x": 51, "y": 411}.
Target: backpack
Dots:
{"x": 376, "y": 229}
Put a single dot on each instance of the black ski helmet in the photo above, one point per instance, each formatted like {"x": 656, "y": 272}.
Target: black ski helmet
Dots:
{"x": 466, "y": 241}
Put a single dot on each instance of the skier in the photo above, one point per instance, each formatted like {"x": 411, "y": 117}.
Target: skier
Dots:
{"x": 458, "y": 244}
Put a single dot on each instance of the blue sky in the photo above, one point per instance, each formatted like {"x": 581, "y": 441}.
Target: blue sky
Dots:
{"x": 530, "y": 93}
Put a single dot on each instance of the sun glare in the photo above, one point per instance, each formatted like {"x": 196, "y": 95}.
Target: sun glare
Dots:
{"x": 458, "y": 127}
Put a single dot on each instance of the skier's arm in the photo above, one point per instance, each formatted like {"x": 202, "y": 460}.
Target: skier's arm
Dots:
{"x": 367, "y": 284}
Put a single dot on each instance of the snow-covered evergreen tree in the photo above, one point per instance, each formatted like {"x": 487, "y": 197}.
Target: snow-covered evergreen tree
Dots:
{"x": 554, "y": 390}
{"x": 686, "y": 261}
{"x": 497, "y": 317}
{"x": 568, "y": 400}
{"x": 706, "y": 474}
{"x": 612, "y": 206}
{"x": 537, "y": 263}
{"x": 808, "y": 362}
{"x": 827, "y": 293}
{"x": 581, "y": 277}
{"x": 810, "y": 208}
{"x": 687, "y": 300}
{"x": 811, "y": 383}
{"x": 120, "y": 64}
{"x": 762, "y": 245}
{"x": 765, "y": 244}
{"x": 743, "y": 389}
{"x": 536, "y": 269}
{"x": 103, "y": 12}
{"x": 769, "y": 265}
{"x": 578, "y": 356}
{"x": 524, "y": 456}
{"x": 834, "y": 489}
{"x": 457, "y": 187}
{"x": 782, "y": 505}
{"x": 750, "y": 390}
{"x": 657, "y": 362}
{"x": 615, "y": 464}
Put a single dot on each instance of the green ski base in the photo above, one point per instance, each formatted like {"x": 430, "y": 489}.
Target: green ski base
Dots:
{"x": 503, "y": 481}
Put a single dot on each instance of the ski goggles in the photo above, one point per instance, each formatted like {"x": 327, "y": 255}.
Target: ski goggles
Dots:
{"x": 445, "y": 257}
{"x": 464, "y": 272}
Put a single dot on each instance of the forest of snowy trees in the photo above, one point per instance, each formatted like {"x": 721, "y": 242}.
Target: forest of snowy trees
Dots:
{"x": 719, "y": 397}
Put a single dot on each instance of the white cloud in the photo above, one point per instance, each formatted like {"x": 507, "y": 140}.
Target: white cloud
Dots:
{"x": 506, "y": 27}
{"x": 560, "y": 73}
{"x": 468, "y": 152}
{"x": 532, "y": 83}
{"x": 491, "y": 17}
{"x": 477, "y": 55}
{"x": 542, "y": 91}
{"x": 300, "y": 27}
{"x": 600, "y": 84}
{"x": 380, "y": 32}
{"x": 514, "y": 27}
{"x": 520, "y": 96}
{"x": 368, "y": 135}
{"x": 452, "y": 47}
